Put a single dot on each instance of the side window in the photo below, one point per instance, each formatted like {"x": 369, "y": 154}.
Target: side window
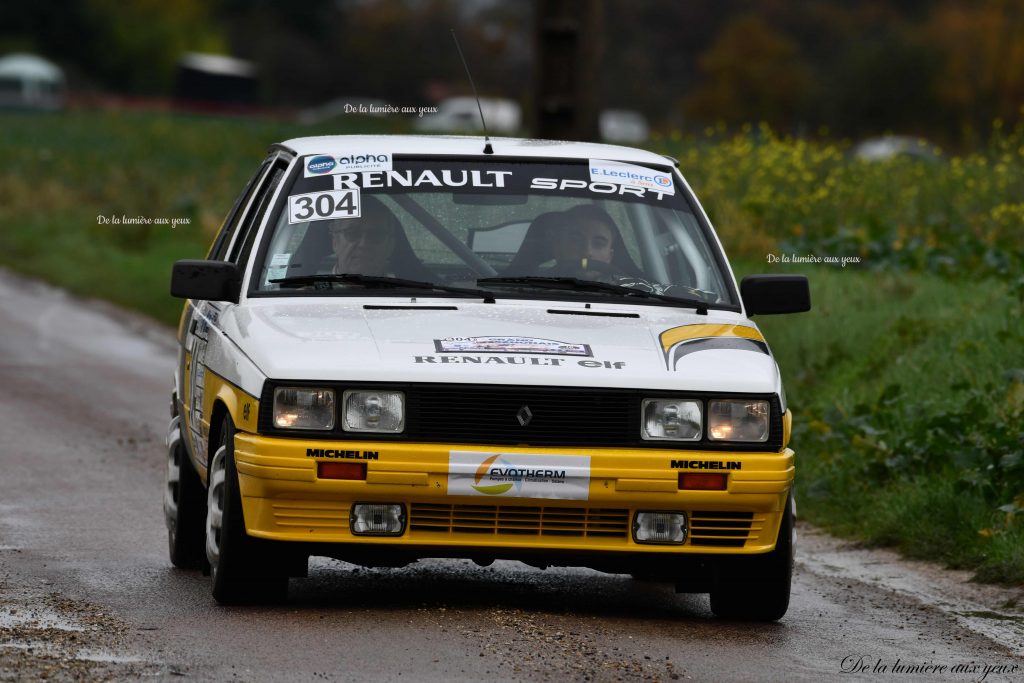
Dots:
{"x": 247, "y": 231}
{"x": 220, "y": 247}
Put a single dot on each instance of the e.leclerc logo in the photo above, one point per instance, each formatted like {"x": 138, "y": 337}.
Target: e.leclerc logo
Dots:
{"x": 664, "y": 181}
{"x": 483, "y": 471}
{"x": 321, "y": 164}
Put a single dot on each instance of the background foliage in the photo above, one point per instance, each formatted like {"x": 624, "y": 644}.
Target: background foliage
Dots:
{"x": 943, "y": 69}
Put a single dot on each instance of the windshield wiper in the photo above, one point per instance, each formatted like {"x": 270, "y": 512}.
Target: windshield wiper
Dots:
{"x": 378, "y": 282}
{"x": 576, "y": 284}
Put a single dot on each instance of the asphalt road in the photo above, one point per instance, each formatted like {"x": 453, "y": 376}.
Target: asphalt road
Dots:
{"x": 87, "y": 592}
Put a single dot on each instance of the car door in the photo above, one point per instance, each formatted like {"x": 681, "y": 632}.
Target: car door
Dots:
{"x": 233, "y": 244}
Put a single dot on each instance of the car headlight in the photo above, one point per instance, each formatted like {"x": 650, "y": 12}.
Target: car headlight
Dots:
{"x": 671, "y": 419}
{"x": 303, "y": 408}
{"x": 738, "y": 420}
{"x": 373, "y": 411}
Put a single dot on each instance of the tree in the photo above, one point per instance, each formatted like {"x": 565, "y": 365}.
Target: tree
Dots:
{"x": 982, "y": 74}
{"x": 136, "y": 45}
{"x": 750, "y": 72}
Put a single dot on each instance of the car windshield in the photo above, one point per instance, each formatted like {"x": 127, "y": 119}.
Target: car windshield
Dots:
{"x": 524, "y": 229}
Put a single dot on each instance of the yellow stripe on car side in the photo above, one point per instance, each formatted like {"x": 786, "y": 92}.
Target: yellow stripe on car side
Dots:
{"x": 243, "y": 407}
{"x": 674, "y": 335}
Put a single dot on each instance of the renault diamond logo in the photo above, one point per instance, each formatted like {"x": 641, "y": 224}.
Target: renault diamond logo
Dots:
{"x": 524, "y": 415}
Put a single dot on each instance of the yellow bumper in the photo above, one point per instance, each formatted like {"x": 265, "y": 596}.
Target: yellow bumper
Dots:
{"x": 283, "y": 499}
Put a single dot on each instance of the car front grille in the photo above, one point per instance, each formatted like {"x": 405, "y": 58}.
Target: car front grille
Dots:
{"x": 721, "y": 529}
{"x": 508, "y": 519}
{"x": 472, "y": 414}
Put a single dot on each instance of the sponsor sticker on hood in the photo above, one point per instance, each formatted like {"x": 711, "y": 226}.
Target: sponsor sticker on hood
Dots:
{"x": 518, "y": 475}
{"x": 510, "y": 345}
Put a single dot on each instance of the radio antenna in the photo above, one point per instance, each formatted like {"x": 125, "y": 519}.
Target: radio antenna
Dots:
{"x": 487, "y": 139}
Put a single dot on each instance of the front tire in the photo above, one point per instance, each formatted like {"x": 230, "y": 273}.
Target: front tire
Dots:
{"x": 184, "y": 509}
{"x": 240, "y": 572}
{"x": 758, "y": 588}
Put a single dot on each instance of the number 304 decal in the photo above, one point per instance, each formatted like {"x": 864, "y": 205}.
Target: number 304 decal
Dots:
{"x": 318, "y": 206}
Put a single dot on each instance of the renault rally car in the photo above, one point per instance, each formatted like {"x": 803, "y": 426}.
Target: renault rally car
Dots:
{"x": 413, "y": 347}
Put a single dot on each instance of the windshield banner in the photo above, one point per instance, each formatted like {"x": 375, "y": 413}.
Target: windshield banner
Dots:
{"x": 599, "y": 179}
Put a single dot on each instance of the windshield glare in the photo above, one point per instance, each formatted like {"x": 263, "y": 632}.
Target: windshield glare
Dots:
{"x": 454, "y": 222}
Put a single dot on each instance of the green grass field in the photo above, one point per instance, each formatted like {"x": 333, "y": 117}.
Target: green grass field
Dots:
{"x": 906, "y": 380}
{"x": 62, "y": 172}
{"x": 907, "y": 413}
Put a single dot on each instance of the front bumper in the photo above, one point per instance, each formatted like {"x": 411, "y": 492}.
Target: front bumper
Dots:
{"x": 283, "y": 500}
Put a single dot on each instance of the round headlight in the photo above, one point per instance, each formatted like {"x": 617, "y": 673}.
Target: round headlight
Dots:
{"x": 671, "y": 419}
{"x": 373, "y": 411}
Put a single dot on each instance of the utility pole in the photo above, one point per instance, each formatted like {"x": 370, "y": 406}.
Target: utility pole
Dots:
{"x": 568, "y": 42}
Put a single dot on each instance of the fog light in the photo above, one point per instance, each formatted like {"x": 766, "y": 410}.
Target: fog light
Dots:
{"x": 659, "y": 527}
{"x": 377, "y": 519}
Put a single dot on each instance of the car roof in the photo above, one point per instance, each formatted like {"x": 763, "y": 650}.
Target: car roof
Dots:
{"x": 471, "y": 145}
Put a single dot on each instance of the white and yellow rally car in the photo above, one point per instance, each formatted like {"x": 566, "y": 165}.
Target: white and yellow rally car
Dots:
{"x": 410, "y": 347}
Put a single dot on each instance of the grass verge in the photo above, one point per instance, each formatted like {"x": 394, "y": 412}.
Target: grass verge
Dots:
{"x": 63, "y": 171}
{"x": 907, "y": 413}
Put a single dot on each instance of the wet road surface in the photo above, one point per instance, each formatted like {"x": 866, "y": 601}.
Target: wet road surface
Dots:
{"x": 87, "y": 591}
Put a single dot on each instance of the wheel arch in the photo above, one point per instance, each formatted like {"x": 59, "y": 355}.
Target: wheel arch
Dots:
{"x": 228, "y": 400}
{"x": 217, "y": 414}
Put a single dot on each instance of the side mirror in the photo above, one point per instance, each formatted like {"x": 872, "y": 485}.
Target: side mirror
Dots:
{"x": 206, "y": 280}
{"x": 768, "y": 294}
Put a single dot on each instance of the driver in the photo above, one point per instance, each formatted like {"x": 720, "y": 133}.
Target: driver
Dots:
{"x": 586, "y": 235}
{"x": 366, "y": 244}
{"x": 375, "y": 244}
{"x": 585, "y": 242}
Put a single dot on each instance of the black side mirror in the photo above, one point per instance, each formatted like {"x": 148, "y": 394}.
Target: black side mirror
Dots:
{"x": 769, "y": 294}
{"x": 206, "y": 280}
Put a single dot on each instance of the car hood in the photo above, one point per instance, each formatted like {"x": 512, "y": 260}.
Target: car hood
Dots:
{"x": 528, "y": 343}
